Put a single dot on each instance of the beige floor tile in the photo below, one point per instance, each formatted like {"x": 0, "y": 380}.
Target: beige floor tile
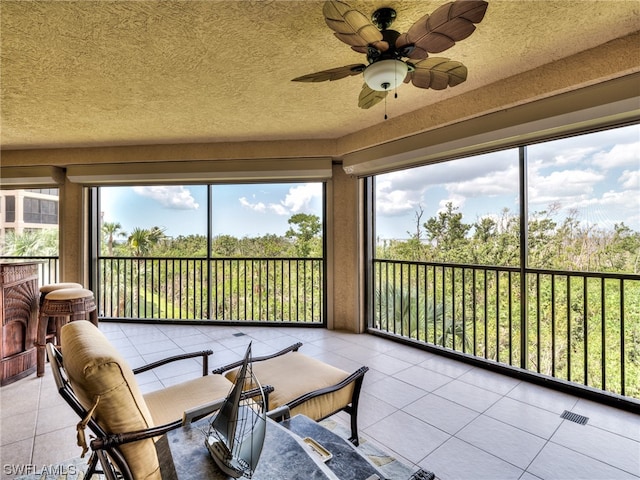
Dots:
{"x": 18, "y": 427}
{"x": 15, "y": 458}
{"x": 34, "y": 416}
{"x": 54, "y": 447}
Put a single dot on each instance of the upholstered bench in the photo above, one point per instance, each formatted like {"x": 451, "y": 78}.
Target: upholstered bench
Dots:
{"x": 306, "y": 385}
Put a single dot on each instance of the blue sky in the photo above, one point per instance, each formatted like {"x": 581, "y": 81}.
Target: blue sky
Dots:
{"x": 598, "y": 175}
{"x": 238, "y": 210}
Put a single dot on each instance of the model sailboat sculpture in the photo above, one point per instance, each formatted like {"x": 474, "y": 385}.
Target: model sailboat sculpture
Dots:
{"x": 236, "y": 434}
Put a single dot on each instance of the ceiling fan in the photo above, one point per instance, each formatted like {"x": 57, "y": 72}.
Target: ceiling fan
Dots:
{"x": 386, "y": 49}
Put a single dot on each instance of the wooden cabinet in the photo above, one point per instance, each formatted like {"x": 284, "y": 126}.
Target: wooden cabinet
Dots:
{"x": 19, "y": 309}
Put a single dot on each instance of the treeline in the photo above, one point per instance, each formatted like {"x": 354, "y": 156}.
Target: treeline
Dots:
{"x": 302, "y": 239}
{"x": 552, "y": 244}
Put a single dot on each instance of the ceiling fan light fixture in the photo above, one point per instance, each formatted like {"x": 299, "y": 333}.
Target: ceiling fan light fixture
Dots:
{"x": 385, "y": 75}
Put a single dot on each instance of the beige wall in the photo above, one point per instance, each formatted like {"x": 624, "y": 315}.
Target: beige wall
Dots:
{"x": 72, "y": 234}
{"x": 344, "y": 261}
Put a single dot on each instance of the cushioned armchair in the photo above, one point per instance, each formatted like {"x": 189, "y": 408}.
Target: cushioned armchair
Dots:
{"x": 101, "y": 387}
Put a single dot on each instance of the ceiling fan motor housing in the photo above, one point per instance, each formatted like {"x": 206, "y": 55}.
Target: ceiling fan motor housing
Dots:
{"x": 383, "y": 17}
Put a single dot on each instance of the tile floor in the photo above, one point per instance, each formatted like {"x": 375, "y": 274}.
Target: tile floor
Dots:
{"x": 456, "y": 420}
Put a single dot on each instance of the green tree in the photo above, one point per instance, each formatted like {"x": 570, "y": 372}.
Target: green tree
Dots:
{"x": 225, "y": 246}
{"x": 304, "y": 228}
{"x": 495, "y": 240}
{"x": 111, "y": 230}
{"x": 31, "y": 243}
{"x": 448, "y": 233}
{"x": 141, "y": 241}
{"x": 621, "y": 252}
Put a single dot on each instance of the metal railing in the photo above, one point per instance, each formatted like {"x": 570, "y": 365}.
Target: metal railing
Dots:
{"x": 582, "y": 327}
{"x": 48, "y": 267}
{"x": 228, "y": 289}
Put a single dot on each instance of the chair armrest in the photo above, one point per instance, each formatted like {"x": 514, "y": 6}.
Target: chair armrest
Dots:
{"x": 355, "y": 376}
{"x": 116, "y": 439}
{"x": 231, "y": 366}
{"x": 205, "y": 361}
{"x": 201, "y": 411}
{"x": 283, "y": 412}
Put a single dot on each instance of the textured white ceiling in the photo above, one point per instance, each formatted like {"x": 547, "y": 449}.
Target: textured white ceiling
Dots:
{"x": 100, "y": 73}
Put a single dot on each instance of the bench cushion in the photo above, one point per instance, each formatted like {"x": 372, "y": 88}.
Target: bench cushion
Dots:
{"x": 97, "y": 371}
{"x": 295, "y": 374}
{"x": 168, "y": 404}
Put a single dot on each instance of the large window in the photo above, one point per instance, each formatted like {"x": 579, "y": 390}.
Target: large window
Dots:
{"x": 224, "y": 252}
{"x": 584, "y": 202}
{"x": 454, "y": 265}
{"x": 462, "y": 211}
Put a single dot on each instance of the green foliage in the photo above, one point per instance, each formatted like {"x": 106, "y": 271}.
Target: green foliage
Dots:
{"x": 246, "y": 279}
{"x": 181, "y": 246}
{"x": 304, "y": 229}
{"x": 447, "y": 233}
{"x": 110, "y": 232}
{"x": 142, "y": 241}
{"x": 302, "y": 239}
{"x": 568, "y": 245}
{"x": 571, "y": 318}
{"x": 32, "y": 243}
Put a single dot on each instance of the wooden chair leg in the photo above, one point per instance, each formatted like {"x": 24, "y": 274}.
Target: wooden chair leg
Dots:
{"x": 41, "y": 340}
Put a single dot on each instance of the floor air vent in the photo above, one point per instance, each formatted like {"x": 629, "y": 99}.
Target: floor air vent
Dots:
{"x": 574, "y": 417}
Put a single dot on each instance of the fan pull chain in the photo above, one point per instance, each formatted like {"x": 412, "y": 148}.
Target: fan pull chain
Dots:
{"x": 385, "y": 107}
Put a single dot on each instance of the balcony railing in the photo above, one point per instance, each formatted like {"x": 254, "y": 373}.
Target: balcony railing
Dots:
{"x": 247, "y": 289}
{"x": 581, "y": 327}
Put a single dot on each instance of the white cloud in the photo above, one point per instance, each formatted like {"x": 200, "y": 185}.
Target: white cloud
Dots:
{"x": 630, "y": 179}
{"x": 562, "y": 186}
{"x": 621, "y": 155}
{"x": 297, "y": 200}
{"x": 572, "y": 156}
{"x": 490, "y": 185}
{"x": 301, "y": 196}
{"x": 397, "y": 194}
{"x": 258, "y": 206}
{"x": 396, "y": 202}
{"x": 172, "y": 197}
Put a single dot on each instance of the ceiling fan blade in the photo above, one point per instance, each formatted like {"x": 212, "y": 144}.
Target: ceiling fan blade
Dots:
{"x": 352, "y": 27}
{"x": 437, "y": 73}
{"x": 332, "y": 73}
{"x": 447, "y": 25}
{"x": 369, "y": 97}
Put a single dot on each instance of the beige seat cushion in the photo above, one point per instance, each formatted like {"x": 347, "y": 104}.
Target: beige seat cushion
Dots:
{"x": 59, "y": 286}
{"x": 69, "y": 294}
{"x": 294, "y": 374}
{"x": 96, "y": 370}
{"x": 168, "y": 404}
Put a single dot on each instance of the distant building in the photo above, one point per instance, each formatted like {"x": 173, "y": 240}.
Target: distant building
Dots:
{"x": 28, "y": 210}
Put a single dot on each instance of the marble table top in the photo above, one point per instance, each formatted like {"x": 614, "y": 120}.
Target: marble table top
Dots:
{"x": 285, "y": 455}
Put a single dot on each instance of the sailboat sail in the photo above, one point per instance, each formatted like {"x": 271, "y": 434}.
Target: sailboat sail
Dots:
{"x": 236, "y": 434}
